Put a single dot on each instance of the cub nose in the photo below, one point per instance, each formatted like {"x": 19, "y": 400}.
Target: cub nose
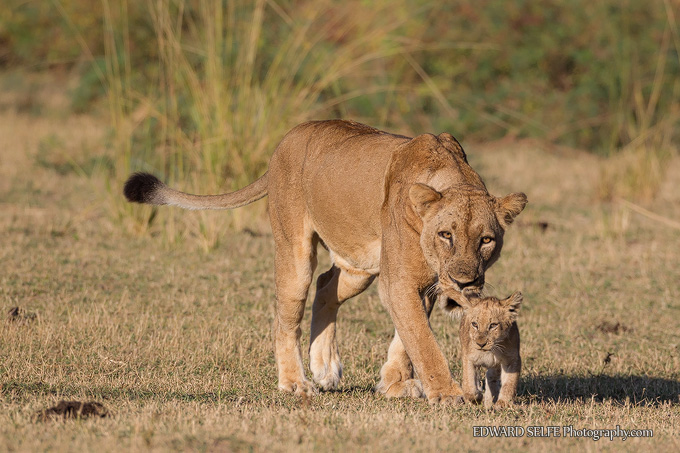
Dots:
{"x": 481, "y": 345}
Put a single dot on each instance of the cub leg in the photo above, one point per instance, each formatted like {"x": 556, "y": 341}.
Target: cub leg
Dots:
{"x": 333, "y": 287}
{"x": 471, "y": 390}
{"x": 493, "y": 385}
{"x": 509, "y": 383}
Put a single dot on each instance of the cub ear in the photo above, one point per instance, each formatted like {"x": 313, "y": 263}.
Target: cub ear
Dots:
{"x": 513, "y": 303}
{"x": 509, "y": 207}
{"x": 423, "y": 196}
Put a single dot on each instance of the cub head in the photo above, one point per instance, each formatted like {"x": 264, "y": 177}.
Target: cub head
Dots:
{"x": 488, "y": 318}
{"x": 462, "y": 232}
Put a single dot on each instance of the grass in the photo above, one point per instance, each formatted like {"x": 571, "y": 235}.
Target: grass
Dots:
{"x": 575, "y": 72}
{"x": 200, "y": 92}
{"x": 175, "y": 341}
{"x": 231, "y": 79}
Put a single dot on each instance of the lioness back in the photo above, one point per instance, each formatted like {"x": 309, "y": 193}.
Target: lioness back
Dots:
{"x": 338, "y": 168}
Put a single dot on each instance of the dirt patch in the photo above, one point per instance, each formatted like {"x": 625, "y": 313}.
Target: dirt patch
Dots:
{"x": 18, "y": 314}
{"x": 612, "y": 327}
{"x": 73, "y": 409}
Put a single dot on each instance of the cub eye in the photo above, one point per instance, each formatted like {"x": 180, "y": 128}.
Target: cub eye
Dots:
{"x": 493, "y": 325}
{"x": 445, "y": 235}
{"x": 474, "y": 324}
{"x": 487, "y": 240}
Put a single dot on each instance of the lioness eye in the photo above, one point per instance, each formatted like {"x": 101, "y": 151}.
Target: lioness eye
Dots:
{"x": 487, "y": 240}
{"x": 445, "y": 235}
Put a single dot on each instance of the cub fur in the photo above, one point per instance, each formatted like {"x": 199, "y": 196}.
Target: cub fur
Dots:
{"x": 489, "y": 338}
{"x": 409, "y": 209}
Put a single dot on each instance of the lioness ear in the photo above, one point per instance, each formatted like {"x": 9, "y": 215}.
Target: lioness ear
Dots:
{"x": 513, "y": 303}
{"x": 423, "y": 196}
{"x": 509, "y": 207}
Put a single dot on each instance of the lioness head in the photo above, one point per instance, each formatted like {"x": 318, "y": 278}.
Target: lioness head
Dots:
{"x": 462, "y": 232}
{"x": 488, "y": 318}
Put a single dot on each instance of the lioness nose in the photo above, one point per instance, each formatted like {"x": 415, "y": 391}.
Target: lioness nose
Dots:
{"x": 479, "y": 281}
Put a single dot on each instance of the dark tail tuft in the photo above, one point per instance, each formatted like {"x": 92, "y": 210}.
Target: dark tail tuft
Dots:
{"x": 140, "y": 187}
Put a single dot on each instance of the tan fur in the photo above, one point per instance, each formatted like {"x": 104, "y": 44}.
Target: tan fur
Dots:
{"x": 489, "y": 338}
{"x": 378, "y": 202}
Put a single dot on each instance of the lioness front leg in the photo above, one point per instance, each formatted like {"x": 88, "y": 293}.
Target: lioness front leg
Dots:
{"x": 333, "y": 288}
{"x": 411, "y": 321}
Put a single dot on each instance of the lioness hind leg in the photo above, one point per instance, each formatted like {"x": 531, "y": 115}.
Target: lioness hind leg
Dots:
{"x": 396, "y": 375}
{"x": 295, "y": 260}
{"x": 333, "y": 288}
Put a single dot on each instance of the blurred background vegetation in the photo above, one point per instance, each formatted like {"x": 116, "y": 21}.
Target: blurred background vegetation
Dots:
{"x": 201, "y": 91}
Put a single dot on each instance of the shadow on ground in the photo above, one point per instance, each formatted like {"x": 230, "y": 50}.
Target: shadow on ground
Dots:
{"x": 553, "y": 388}
{"x": 21, "y": 390}
{"x": 620, "y": 388}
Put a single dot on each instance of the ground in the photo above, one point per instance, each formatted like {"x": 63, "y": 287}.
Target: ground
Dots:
{"x": 175, "y": 342}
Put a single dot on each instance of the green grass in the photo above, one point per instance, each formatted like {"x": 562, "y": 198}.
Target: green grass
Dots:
{"x": 200, "y": 92}
{"x": 175, "y": 341}
{"x": 230, "y": 80}
{"x": 586, "y": 74}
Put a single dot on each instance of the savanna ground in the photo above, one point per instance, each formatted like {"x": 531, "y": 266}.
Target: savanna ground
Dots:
{"x": 174, "y": 341}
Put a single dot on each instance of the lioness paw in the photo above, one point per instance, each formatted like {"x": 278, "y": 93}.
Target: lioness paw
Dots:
{"x": 474, "y": 398}
{"x": 452, "y": 400}
{"x": 328, "y": 379}
{"x": 299, "y": 388}
{"x": 502, "y": 404}
{"x": 413, "y": 388}
{"x": 400, "y": 389}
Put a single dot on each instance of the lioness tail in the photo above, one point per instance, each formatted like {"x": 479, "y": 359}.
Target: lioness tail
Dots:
{"x": 146, "y": 188}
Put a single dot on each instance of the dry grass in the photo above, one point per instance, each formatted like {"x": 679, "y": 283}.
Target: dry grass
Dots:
{"x": 224, "y": 92}
{"x": 175, "y": 342}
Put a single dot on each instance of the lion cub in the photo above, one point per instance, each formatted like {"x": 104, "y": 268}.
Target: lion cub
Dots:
{"x": 489, "y": 338}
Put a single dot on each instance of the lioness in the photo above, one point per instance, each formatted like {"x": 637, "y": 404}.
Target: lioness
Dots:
{"x": 409, "y": 209}
{"x": 489, "y": 338}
